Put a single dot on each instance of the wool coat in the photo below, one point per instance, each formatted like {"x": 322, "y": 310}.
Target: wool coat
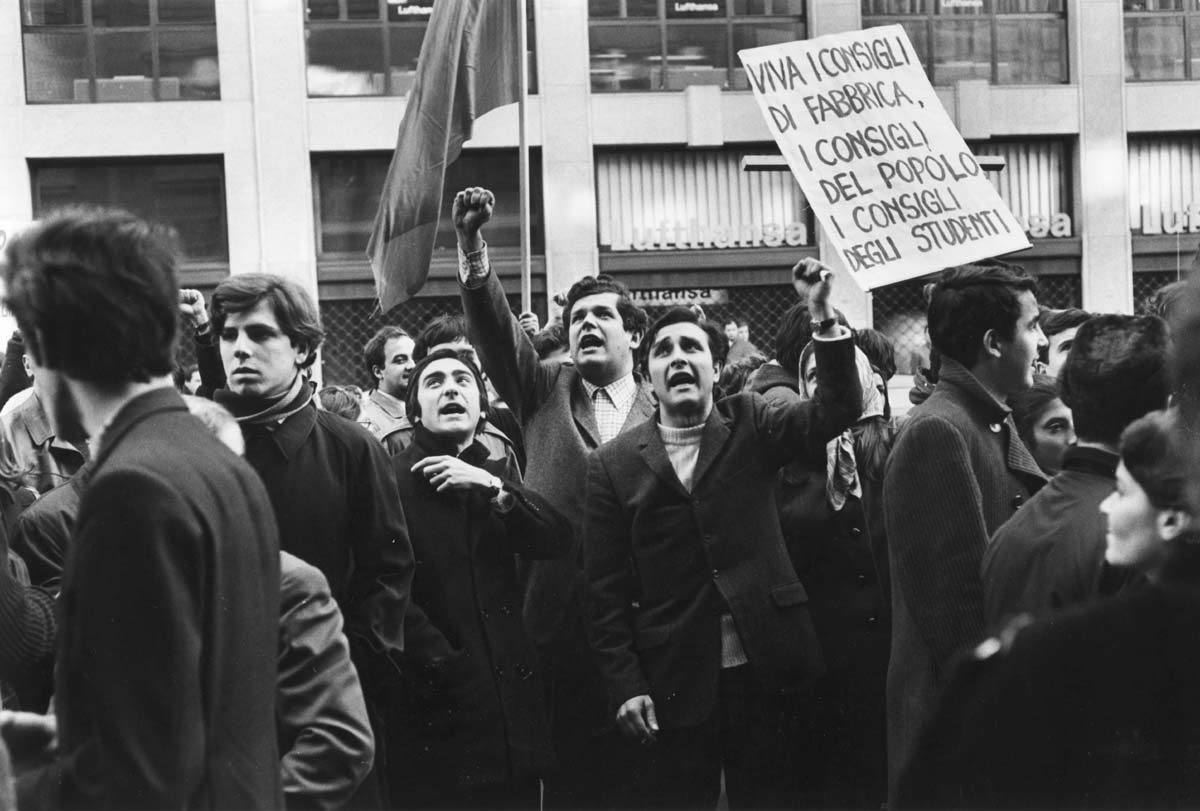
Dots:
{"x": 957, "y": 472}
{"x": 664, "y": 564}
{"x": 169, "y": 620}
{"x": 471, "y": 709}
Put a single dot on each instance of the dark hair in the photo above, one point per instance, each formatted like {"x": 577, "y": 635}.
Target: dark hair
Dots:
{"x": 1116, "y": 372}
{"x": 290, "y": 303}
{"x": 95, "y": 294}
{"x": 879, "y": 351}
{"x": 445, "y": 329}
{"x": 792, "y": 335}
{"x": 718, "y": 344}
{"x": 1153, "y": 451}
{"x": 179, "y": 376}
{"x": 1029, "y": 405}
{"x": 341, "y": 400}
{"x": 549, "y": 340}
{"x": 633, "y": 317}
{"x": 734, "y": 318}
{"x": 1165, "y": 300}
{"x": 969, "y": 300}
{"x": 373, "y": 351}
{"x": 734, "y": 375}
{"x": 1053, "y": 322}
{"x": 464, "y": 357}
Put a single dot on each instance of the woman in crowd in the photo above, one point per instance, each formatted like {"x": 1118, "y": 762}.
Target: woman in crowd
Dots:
{"x": 469, "y": 728}
{"x": 1043, "y": 423}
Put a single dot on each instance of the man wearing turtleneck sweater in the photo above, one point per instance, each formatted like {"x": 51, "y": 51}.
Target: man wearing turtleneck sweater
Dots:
{"x": 330, "y": 481}
{"x": 698, "y": 637}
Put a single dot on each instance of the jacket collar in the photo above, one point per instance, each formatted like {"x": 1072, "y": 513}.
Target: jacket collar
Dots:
{"x": 585, "y": 416}
{"x": 290, "y": 434}
{"x": 37, "y": 425}
{"x": 954, "y": 377}
{"x": 134, "y": 411}
{"x": 388, "y": 404}
{"x": 712, "y": 441}
{"x": 1096, "y": 461}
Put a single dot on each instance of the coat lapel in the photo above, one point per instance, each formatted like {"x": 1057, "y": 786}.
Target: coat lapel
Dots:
{"x": 643, "y": 408}
{"x": 655, "y": 455}
{"x": 716, "y": 433}
{"x": 1018, "y": 457}
{"x": 585, "y": 416}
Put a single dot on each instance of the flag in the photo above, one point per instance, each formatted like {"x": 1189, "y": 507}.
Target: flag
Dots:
{"x": 468, "y": 65}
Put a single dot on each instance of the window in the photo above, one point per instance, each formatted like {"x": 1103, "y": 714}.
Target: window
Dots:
{"x": 187, "y": 194}
{"x": 1001, "y": 41}
{"x": 120, "y": 50}
{"x": 672, "y": 44}
{"x": 370, "y": 47}
{"x": 347, "y": 188}
{"x": 1162, "y": 40}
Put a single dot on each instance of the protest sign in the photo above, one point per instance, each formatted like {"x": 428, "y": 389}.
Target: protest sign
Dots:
{"x": 882, "y": 165}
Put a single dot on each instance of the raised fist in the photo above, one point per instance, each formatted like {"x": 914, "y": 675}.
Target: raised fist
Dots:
{"x": 472, "y": 208}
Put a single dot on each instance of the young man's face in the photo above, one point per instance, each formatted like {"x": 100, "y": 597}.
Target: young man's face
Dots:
{"x": 260, "y": 361}
{"x": 449, "y": 398}
{"x": 601, "y": 347}
{"x": 397, "y": 366}
{"x": 682, "y": 372}
{"x": 1018, "y": 354}
{"x": 731, "y": 331}
{"x": 1060, "y": 347}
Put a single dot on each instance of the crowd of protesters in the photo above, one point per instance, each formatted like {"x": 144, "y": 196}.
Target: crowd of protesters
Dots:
{"x": 605, "y": 564}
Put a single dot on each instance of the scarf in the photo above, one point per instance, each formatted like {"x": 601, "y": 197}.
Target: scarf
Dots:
{"x": 841, "y": 465}
{"x": 263, "y": 410}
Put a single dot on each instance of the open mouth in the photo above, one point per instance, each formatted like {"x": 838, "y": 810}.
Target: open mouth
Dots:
{"x": 681, "y": 379}
{"x": 452, "y": 408}
{"x": 591, "y": 342}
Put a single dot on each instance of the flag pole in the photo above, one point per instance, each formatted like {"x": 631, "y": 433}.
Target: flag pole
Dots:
{"x": 523, "y": 52}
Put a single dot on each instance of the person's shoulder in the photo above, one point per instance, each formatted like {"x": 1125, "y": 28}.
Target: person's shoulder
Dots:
{"x": 300, "y": 579}
{"x": 351, "y": 435}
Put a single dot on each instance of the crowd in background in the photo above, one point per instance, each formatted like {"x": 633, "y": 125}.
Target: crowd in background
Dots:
{"x": 605, "y": 563}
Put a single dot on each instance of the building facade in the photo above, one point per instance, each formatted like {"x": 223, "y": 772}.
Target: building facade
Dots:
{"x": 262, "y": 129}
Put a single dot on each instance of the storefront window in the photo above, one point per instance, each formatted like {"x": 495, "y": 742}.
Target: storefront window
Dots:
{"x": 670, "y": 45}
{"x": 1000, "y": 41}
{"x": 370, "y": 47}
{"x": 187, "y": 194}
{"x": 1162, "y": 40}
{"x": 120, "y": 50}
{"x": 347, "y": 187}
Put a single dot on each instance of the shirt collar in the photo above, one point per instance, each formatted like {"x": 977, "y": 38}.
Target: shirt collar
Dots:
{"x": 621, "y": 391}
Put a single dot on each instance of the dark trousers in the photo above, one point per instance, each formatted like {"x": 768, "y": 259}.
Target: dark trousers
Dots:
{"x": 750, "y": 736}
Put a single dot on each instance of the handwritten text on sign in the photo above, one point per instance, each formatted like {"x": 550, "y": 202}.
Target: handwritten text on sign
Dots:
{"x": 885, "y": 170}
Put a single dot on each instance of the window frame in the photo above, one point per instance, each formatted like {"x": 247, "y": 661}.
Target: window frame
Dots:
{"x": 153, "y": 28}
{"x": 1189, "y": 12}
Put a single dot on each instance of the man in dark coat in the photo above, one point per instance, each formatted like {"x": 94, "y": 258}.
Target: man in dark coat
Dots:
{"x": 166, "y": 666}
{"x": 471, "y": 727}
{"x": 1050, "y": 554}
{"x": 697, "y": 617}
{"x": 958, "y": 471}
{"x": 566, "y": 410}
{"x": 330, "y": 481}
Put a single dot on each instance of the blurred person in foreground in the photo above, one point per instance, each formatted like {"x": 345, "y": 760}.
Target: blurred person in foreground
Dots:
{"x": 166, "y": 664}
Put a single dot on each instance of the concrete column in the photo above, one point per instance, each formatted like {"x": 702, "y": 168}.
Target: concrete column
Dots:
{"x": 1097, "y": 35}
{"x": 16, "y": 199}
{"x": 270, "y": 177}
{"x": 568, "y": 168}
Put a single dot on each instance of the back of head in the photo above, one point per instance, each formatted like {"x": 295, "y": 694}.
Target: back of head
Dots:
{"x": 218, "y": 421}
{"x": 445, "y": 329}
{"x": 1116, "y": 372}
{"x": 633, "y": 317}
{"x": 1053, "y": 322}
{"x": 94, "y": 292}
{"x": 550, "y": 339}
{"x": 340, "y": 400}
{"x": 792, "y": 335}
{"x": 374, "y": 348}
{"x": 1166, "y": 300}
{"x": 291, "y": 304}
{"x": 879, "y": 350}
{"x": 969, "y": 300}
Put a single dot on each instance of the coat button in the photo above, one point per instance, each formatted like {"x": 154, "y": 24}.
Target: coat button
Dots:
{"x": 862, "y": 581}
{"x": 1017, "y": 501}
{"x": 994, "y": 427}
{"x": 716, "y": 573}
{"x": 855, "y": 532}
{"x": 872, "y": 622}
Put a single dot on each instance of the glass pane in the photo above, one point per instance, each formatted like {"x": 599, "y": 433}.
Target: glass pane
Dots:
{"x": 1031, "y": 6}
{"x": 322, "y": 10}
{"x": 349, "y": 187}
{"x": 604, "y": 8}
{"x": 56, "y": 67}
{"x": 752, "y": 36}
{"x": 753, "y": 7}
{"x": 345, "y": 61}
{"x": 963, "y": 7}
{"x": 362, "y": 9}
{"x": 961, "y": 50}
{"x": 1193, "y": 24}
{"x": 186, "y": 11}
{"x": 696, "y": 54}
{"x": 116, "y": 13}
{"x": 1031, "y": 51}
{"x": 187, "y": 64}
{"x": 1153, "y": 48}
{"x": 1153, "y": 5}
{"x": 405, "y": 45}
{"x": 409, "y": 11}
{"x": 621, "y": 56}
{"x": 52, "y": 12}
{"x": 695, "y": 11}
{"x": 641, "y": 8}
{"x": 870, "y": 7}
{"x": 123, "y": 67}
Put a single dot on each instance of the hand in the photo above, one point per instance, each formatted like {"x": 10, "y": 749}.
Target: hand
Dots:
{"x": 529, "y": 323}
{"x": 29, "y": 735}
{"x": 192, "y": 308}
{"x": 472, "y": 209}
{"x": 451, "y": 473}
{"x": 637, "y": 720}
{"x": 816, "y": 279}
